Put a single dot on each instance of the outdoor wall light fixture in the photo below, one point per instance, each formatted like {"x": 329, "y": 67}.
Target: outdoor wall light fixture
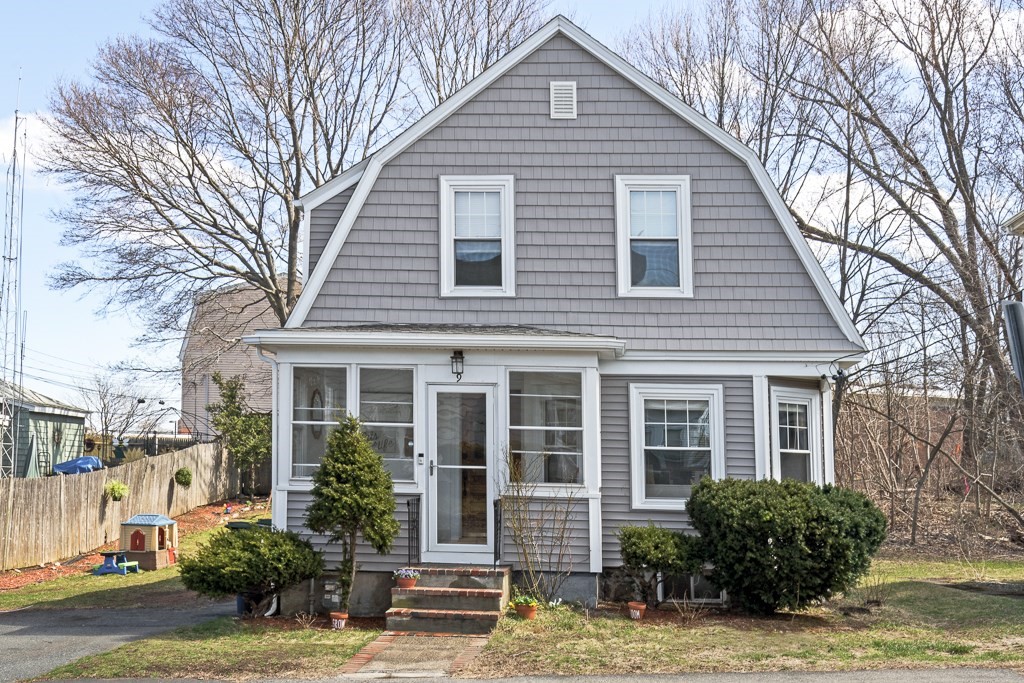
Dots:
{"x": 458, "y": 364}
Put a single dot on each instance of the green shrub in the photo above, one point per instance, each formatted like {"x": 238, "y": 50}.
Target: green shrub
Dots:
{"x": 651, "y": 553}
{"x": 784, "y": 544}
{"x": 255, "y": 563}
{"x": 183, "y": 477}
{"x": 115, "y": 490}
{"x": 352, "y": 494}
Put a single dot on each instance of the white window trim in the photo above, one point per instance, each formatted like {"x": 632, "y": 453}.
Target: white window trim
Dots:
{"x": 446, "y": 212}
{"x": 812, "y": 399}
{"x": 713, "y": 393}
{"x": 681, "y": 184}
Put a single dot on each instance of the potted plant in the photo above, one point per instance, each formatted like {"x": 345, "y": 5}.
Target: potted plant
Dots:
{"x": 636, "y": 609}
{"x": 406, "y": 577}
{"x": 525, "y": 606}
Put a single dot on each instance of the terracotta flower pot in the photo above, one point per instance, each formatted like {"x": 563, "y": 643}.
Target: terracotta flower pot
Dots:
{"x": 527, "y": 611}
{"x": 338, "y": 620}
{"x": 637, "y": 610}
{"x": 406, "y": 583}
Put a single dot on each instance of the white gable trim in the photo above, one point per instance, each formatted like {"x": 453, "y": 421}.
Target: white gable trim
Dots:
{"x": 562, "y": 25}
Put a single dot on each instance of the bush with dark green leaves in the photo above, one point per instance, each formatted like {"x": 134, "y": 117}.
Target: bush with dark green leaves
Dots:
{"x": 651, "y": 553}
{"x": 783, "y": 545}
{"x": 255, "y": 563}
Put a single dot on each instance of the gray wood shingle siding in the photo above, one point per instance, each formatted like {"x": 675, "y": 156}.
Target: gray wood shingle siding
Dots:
{"x": 322, "y": 221}
{"x": 615, "y": 467}
{"x": 751, "y": 293}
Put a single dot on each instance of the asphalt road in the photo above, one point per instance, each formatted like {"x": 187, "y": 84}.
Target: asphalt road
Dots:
{"x": 34, "y": 641}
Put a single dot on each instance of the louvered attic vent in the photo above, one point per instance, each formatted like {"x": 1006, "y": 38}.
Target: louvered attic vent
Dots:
{"x": 563, "y": 99}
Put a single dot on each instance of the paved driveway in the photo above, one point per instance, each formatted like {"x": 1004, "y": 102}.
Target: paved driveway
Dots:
{"x": 33, "y": 641}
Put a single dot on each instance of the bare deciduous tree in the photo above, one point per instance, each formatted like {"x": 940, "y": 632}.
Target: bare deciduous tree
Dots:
{"x": 187, "y": 151}
{"x": 451, "y": 41}
{"x": 117, "y": 411}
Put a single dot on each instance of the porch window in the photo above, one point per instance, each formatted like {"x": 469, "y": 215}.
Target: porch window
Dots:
{"x": 318, "y": 400}
{"x": 677, "y": 437}
{"x": 546, "y": 427}
{"x": 386, "y": 409}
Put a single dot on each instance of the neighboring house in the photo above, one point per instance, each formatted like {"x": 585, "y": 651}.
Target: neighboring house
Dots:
{"x": 48, "y": 431}
{"x": 620, "y": 286}
{"x": 213, "y": 343}
{"x": 1015, "y": 224}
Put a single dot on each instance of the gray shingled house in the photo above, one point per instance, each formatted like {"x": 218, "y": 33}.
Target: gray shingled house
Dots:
{"x": 563, "y": 267}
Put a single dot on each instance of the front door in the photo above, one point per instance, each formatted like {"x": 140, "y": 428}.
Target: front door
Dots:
{"x": 459, "y": 473}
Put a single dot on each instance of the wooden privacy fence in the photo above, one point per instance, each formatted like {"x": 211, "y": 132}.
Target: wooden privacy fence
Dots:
{"x": 45, "y": 520}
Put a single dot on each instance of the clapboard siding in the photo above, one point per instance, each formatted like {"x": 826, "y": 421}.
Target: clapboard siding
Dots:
{"x": 751, "y": 293}
{"x": 577, "y": 533}
{"x": 615, "y": 468}
{"x": 366, "y": 557}
{"x": 322, "y": 221}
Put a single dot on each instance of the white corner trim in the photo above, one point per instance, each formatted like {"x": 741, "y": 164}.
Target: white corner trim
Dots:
{"x": 316, "y": 279}
{"x": 448, "y": 186}
{"x": 562, "y": 25}
{"x": 279, "y": 510}
{"x": 624, "y": 184}
{"x": 827, "y": 436}
{"x": 762, "y": 429}
{"x": 596, "y": 542}
{"x": 713, "y": 393}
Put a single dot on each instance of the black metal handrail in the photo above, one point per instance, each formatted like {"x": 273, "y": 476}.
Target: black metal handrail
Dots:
{"x": 498, "y": 524}
{"x": 412, "y": 510}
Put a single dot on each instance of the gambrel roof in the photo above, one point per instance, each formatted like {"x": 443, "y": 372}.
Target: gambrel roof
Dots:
{"x": 364, "y": 175}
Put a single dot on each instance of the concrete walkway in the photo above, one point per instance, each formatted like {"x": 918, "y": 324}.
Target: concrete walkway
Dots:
{"x": 34, "y": 641}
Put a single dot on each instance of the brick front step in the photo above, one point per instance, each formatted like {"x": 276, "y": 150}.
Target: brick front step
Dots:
{"x": 464, "y": 577}
{"x": 427, "y": 597}
{"x": 441, "y": 620}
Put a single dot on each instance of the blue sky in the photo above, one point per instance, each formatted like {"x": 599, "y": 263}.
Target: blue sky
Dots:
{"x": 46, "y": 41}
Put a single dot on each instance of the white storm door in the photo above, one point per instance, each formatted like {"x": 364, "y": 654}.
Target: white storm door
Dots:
{"x": 460, "y": 487}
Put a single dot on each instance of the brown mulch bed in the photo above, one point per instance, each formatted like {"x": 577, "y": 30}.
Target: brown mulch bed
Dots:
{"x": 199, "y": 519}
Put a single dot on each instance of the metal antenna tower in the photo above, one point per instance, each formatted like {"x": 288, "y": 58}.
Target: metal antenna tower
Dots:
{"x": 11, "y": 320}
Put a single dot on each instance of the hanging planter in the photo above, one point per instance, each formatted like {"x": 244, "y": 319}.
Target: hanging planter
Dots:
{"x": 338, "y": 620}
{"x": 637, "y": 610}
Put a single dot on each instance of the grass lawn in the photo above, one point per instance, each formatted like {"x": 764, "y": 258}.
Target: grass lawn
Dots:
{"x": 921, "y": 623}
{"x": 225, "y": 648}
{"x": 145, "y": 589}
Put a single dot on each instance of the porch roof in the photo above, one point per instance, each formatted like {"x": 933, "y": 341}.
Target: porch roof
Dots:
{"x": 467, "y": 336}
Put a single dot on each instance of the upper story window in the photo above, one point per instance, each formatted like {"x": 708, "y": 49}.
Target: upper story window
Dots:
{"x": 477, "y": 242}
{"x": 653, "y": 237}
{"x": 677, "y": 436}
{"x": 796, "y": 446}
{"x": 545, "y": 427}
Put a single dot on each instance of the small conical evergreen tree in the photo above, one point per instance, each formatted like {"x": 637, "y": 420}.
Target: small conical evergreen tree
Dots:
{"x": 352, "y": 494}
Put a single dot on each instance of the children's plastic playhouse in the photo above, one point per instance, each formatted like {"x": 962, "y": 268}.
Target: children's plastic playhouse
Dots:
{"x": 150, "y": 540}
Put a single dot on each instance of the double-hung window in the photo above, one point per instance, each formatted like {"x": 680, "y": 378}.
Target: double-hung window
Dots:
{"x": 318, "y": 400}
{"x": 796, "y": 446}
{"x": 653, "y": 238}
{"x": 546, "y": 427}
{"x": 386, "y": 410}
{"x": 477, "y": 241}
{"x": 677, "y": 436}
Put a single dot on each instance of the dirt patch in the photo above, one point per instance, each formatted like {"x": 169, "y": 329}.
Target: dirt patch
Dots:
{"x": 317, "y": 622}
{"x": 1003, "y": 590}
{"x": 199, "y": 519}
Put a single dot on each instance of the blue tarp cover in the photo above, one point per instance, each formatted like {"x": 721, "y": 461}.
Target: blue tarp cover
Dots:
{"x": 87, "y": 463}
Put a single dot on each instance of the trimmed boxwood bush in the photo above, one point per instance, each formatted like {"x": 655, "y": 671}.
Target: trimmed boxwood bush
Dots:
{"x": 255, "y": 563}
{"x": 651, "y": 553}
{"x": 183, "y": 477}
{"x": 776, "y": 545}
